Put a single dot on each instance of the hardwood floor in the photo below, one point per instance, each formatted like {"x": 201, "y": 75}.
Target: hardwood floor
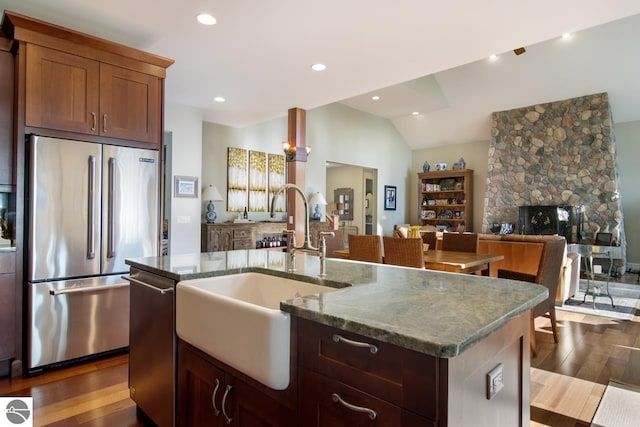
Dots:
{"x": 567, "y": 379}
{"x": 94, "y": 393}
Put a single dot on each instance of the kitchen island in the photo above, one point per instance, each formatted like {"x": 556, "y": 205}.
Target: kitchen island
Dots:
{"x": 437, "y": 337}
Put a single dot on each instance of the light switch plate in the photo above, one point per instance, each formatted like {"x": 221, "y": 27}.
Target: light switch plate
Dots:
{"x": 495, "y": 381}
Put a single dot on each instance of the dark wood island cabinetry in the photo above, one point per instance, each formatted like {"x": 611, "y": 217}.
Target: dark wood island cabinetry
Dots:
{"x": 391, "y": 349}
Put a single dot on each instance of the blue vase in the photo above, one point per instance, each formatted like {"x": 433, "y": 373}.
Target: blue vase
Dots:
{"x": 426, "y": 166}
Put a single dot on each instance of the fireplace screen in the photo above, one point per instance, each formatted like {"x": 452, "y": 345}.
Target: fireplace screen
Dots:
{"x": 546, "y": 220}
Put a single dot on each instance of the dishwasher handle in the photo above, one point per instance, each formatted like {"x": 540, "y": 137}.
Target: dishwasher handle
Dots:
{"x": 161, "y": 291}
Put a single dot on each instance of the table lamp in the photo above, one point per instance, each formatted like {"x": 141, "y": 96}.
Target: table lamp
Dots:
{"x": 318, "y": 200}
{"x": 211, "y": 194}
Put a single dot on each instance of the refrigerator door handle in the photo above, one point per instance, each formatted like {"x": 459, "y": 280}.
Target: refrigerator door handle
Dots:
{"x": 87, "y": 289}
{"x": 91, "y": 250}
{"x": 111, "y": 250}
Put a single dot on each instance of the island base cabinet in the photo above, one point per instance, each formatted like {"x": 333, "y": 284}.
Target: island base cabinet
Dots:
{"x": 209, "y": 396}
{"x": 325, "y": 402}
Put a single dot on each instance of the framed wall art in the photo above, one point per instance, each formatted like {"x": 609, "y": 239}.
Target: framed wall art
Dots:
{"x": 237, "y": 179}
{"x": 257, "y": 181}
{"x": 390, "y": 197}
{"x": 185, "y": 186}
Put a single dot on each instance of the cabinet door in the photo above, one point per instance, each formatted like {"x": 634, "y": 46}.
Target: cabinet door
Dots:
{"x": 201, "y": 387}
{"x": 7, "y": 320}
{"x": 6, "y": 118}
{"x": 224, "y": 240}
{"x": 61, "y": 91}
{"x": 129, "y": 104}
{"x": 252, "y": 408}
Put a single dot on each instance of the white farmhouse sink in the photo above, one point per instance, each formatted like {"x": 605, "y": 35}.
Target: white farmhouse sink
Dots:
{"x": 237, "y": 320}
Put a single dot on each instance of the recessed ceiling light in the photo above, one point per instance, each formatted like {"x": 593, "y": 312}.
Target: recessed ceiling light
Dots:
{"x": 415, "y": 113}
{"x": 375, "y": 97}
{"x": 318, "y": 67}
{"x": 566, "y": 36}
{"x": 206, "y": 19}
{"x": 219, "y": 99}
{"x": 493, "y": 57}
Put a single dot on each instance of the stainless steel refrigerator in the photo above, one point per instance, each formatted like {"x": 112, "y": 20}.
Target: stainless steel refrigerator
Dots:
{"x": 90, "y": 206}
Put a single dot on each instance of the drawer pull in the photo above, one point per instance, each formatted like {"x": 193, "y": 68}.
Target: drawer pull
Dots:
{"x": 339, "y": 338}
{"x": 227, "y": 418}
{"x": 213, "y": 397}
{"x": 337, "y": 399}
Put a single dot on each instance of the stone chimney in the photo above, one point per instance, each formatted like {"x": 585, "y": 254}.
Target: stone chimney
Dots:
{"x": 559, "y": 153}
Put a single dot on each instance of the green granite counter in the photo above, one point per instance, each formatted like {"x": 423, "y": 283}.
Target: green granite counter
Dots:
{"x": 436, "y": 313}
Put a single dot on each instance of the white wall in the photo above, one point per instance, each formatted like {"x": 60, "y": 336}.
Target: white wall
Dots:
{"x": 628, "y": 153}
{"x": 185, "y": 124}
{"x": 335, "y": 133}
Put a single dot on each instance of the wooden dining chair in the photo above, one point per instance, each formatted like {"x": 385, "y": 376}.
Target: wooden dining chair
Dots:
{"x": 548, "y": 275}
{"x": 460, "y": 242}
{"x": 365, "y": 248}
{"x": 430, "y": 238}
{"x": 406, "y": 252}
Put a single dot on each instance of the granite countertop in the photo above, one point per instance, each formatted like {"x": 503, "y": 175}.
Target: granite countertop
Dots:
{"x": 436, "y": 313}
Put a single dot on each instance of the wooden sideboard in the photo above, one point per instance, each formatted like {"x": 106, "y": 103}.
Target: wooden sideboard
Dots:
{"x": 229, "y": 236}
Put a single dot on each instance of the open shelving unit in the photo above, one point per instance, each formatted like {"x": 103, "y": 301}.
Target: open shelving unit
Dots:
{"x": 445, "y": 198}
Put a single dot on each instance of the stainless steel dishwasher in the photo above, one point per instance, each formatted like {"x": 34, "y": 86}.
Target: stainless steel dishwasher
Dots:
{"x": 152, "y": 346}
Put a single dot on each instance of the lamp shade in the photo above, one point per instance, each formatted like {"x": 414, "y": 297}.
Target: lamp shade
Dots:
{"x": 210, "y": 192}
{"x": 317, "y": 199}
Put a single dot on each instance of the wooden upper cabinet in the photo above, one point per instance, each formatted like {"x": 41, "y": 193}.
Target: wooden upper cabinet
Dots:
{"x": 75, "y": 94}
{"x": 129, "y": 104}
{"x": 6, "y": 118}
{"x": 78, "y": 83}
{"x": 62, "y": 91}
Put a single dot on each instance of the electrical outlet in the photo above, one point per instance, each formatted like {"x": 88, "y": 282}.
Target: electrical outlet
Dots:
{"x": 495, "y": 381}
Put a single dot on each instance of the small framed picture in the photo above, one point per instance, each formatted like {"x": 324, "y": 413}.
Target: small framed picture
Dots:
{"x": 389, "y": 198}
{"x": 185, "y": 186}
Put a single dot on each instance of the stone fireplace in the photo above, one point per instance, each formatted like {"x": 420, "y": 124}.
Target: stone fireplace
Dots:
{"x": 558, "y": 153}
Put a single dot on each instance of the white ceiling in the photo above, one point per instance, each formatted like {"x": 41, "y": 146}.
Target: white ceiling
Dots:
{"x": 258, "y": 55}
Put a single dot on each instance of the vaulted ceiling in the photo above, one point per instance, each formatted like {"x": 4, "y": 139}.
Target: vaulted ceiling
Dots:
{"x": 258, "y": 55}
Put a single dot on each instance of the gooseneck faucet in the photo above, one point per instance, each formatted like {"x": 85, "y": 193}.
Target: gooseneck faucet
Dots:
{"x": 307, "y": 238}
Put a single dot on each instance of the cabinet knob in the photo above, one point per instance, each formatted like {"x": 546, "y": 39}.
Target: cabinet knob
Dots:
{"x": 104, "y": 123}
{"x": 94, "y": 121}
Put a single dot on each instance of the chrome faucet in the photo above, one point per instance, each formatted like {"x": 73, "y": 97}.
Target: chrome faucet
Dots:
{"x": 307, "y": 237}
{"x": 322, "y": 250}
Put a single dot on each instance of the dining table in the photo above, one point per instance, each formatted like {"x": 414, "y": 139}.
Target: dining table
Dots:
{"x": 453, "y": 261}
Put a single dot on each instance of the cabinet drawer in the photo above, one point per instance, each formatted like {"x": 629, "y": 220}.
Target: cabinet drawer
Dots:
{"x": 243, "y": 244}
{"x": 242, "y": 233}
{"x": 326, "y": 402}
{"x": 403, "y": 377}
